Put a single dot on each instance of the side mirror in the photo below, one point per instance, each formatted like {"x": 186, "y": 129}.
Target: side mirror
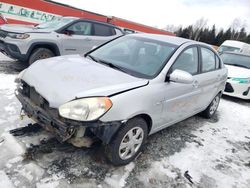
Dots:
{"x": 68, "y": 32}
{"x": 180, "y": 76}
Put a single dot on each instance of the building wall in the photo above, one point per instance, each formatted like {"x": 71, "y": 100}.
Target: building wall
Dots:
{"x": 37, "y": 11}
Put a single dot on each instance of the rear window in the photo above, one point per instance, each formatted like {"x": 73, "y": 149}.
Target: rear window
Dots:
{"x": 103, "y": 30}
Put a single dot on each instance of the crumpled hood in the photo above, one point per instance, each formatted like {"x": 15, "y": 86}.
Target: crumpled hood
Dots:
{"x": 238, "y": 72}
{"x": 62, "y": 79}
{"x": 19, "y": 28}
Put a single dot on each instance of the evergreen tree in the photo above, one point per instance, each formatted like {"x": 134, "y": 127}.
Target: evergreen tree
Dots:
{"x": 208, "y": 35}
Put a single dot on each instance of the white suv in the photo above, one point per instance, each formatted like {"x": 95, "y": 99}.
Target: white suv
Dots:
{"x": 67, "y": 35}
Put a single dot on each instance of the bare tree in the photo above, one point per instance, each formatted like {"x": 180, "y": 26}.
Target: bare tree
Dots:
{"x": 172, "y": 28}
{"x": 197, "y": 28}
{"x": 236, "y": 26}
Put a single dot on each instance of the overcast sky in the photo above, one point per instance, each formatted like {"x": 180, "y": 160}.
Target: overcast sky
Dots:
{"x": 159, "y": 13}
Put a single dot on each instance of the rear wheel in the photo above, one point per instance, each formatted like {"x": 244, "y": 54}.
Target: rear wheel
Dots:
{"x": 127, "y": 143}
{"x": 40, "y": 53}
{"x": 211, "y": 109}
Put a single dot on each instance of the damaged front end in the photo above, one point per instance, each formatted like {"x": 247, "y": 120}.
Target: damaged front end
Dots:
{"x": 80, "y": 134}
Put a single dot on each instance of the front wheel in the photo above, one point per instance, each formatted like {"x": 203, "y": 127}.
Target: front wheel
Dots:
{"x": 127, "y": 143}
{"x": 40, "y": 53}
{"x": 211, "y": 109}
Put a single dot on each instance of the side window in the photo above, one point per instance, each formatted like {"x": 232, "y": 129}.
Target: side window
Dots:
{"x": 187, "y": 61}
{"x": 208, "y": 60}
{"x": 80, "y": 28}
{"x": 217, "y": 61}
{"x": 103, "y": 30}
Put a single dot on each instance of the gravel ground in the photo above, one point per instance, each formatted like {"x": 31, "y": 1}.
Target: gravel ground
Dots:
{"x": 212, "y": 153}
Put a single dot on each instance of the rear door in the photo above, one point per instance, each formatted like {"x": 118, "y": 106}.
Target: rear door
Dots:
{"x": 102, "y": 33}
{"x": 210, "y": 75}
{"x": 79, "y": 38}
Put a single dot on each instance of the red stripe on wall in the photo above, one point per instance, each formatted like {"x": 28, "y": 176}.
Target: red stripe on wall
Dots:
{"x": 70, "y": 11}
{"x": 56, "y": 9}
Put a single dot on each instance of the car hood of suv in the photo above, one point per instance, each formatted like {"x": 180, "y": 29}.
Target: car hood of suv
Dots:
{"x": 62, "y": 79}
{"x": 18, "y": 28}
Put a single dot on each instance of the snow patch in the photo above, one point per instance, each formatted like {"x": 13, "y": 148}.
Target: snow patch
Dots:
{"x": 15, "y": 160}
{"x": 8, "y": 84}
{"x": 215, "y": 158}
{"x": 32, "y": 171}
{"x": 5, "y": 181}
{"x": 26, "y": 174}
{"x": 47, "y": 185}
{"x": 118, "y": 179}
{"x": 5, "y": 58}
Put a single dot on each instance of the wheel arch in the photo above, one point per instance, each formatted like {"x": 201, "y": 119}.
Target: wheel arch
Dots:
{"x": 107, "y": 135}
{"x": 147, "y": 118}
{"x": 51, "y": 46}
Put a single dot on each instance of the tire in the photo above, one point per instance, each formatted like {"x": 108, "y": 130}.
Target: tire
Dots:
{"x": 115, "y": 152}
{"x": 211, "y": 109}
{"x": 40, "y": 53}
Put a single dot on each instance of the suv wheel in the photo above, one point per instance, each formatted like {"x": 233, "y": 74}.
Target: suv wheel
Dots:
{"x": 40, "y": 53}
{"x": 127, "y": 143}
{"x": 211, "y": 109}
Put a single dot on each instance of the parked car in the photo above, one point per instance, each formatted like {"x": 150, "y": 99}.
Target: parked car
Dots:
{"x": 68, "y": 35}
{"x": 238, "y": 82}
{"x": 234, "y": 46}
{"x": 123, "y": 91}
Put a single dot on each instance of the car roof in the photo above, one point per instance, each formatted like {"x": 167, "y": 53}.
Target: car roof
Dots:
{"x": 165, "y": 38}
{"x": 235, "y": 53}
{"x": 93, "y": 21}
{"x": 233, "y": 43}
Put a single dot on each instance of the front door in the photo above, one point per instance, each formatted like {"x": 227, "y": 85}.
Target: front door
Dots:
{"x": 181, "y": 99}
{"x": 79, "y": 38}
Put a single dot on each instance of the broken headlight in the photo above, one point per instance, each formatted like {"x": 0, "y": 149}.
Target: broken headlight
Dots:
{"x": 85, "y": 109}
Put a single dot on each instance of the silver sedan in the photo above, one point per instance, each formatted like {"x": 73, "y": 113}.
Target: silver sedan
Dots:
{"x": 123, "y": 91}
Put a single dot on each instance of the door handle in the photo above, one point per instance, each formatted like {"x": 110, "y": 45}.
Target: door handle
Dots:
{"x": 195, "y": 84}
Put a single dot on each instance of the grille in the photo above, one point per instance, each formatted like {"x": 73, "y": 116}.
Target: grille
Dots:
{"x": 3, "y": 34}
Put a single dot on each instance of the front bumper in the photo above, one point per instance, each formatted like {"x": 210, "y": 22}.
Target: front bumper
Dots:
{"x": 236, "y": 89}
{"x": 12, "y": 51}
{"x": 63, "y": 128}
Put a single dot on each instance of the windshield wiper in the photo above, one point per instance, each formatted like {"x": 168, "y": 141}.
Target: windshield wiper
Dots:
{"x": 111, "y": 65}
{"x": 106, "y": 63}
{"x": 237, "y": 65}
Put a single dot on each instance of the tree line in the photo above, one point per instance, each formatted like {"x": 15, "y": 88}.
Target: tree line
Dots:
{"x": 199, "y": 32}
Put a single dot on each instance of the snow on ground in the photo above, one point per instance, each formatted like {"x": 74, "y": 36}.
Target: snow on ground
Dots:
{"x": 221, "y": 154}
{"x": 4, "y": 180}
{"x": 216, "y": 152}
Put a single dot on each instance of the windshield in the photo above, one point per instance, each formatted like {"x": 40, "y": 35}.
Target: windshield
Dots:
{"x": 55, "y": 24}
{"x": 236, "y": 60}
{"x": 228, "y": 49}
{"x": 141, "y": 57}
